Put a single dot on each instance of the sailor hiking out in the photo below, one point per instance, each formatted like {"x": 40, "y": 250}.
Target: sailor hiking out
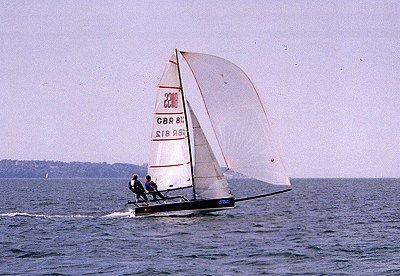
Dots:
{"x": 136, "y": 187}
{"x": 151, "y": 187}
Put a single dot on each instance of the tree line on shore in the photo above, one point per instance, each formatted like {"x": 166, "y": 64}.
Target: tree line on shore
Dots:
{"x": 57, "y": 169}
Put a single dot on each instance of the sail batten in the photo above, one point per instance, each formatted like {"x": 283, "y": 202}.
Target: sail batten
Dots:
{"x": 172, "y": 139}
{"x": 168, "y": 113}
{"x": 169, "y": 87}
{"x": 170, "y": 165}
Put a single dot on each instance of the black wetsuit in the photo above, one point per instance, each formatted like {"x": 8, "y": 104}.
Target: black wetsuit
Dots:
{"x": 138, "y": 189}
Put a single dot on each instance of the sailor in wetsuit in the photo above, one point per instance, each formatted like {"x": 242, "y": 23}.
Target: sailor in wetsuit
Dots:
{"x": 151, "y": 187}
{"x": 137, "y": 187}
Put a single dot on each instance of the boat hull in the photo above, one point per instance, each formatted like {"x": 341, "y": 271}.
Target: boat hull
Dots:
{"x": 207, "y": 205}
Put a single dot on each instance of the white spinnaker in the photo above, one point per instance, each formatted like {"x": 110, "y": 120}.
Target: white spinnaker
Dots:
{"x": 209, "y": 181}
{"x": 238, "y": 118}
{"x": 169, "y": 164}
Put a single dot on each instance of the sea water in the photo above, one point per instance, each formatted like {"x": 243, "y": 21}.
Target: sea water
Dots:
{"x": 332, "y": 226}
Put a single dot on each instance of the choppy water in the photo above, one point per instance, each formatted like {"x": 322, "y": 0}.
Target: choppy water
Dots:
{"x": 344, "y": 226}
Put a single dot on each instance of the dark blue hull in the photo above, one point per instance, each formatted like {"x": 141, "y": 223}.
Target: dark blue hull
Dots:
{"x": 206, "y": 205}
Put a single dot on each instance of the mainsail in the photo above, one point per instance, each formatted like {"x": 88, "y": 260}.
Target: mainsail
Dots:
{"x": 238, "y": 118}
{"x": 169, "y": 163}
{"x": 209, "y": 181}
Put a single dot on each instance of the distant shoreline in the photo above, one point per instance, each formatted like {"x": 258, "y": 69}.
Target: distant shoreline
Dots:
{"x": 39, "y": 169}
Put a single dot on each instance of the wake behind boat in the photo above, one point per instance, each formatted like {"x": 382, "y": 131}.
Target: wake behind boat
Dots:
{"x": 180, "y": 154}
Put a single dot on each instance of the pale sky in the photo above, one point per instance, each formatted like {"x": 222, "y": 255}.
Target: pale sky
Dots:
{"x": 78, "y": 78}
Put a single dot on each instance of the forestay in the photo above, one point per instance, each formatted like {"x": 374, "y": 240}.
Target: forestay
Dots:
{"x": 169, "y": 153}
{"x": 209, "y": 181}
{"x": 238, "y": 118}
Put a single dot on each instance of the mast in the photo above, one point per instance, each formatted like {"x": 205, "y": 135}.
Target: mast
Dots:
{"x": 186, "y": 123}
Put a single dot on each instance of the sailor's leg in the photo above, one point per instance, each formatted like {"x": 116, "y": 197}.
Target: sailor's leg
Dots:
{"x": 160, "y": 195}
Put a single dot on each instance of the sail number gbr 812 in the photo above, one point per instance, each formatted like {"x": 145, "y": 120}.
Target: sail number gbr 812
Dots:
{"x": 173, "y": 127}
{"x": 170, "y": 133}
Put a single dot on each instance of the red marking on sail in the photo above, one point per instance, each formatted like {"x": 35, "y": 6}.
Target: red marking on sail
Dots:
{"x": 170, "y": 113}
{"x": 173, "y": 100}
{"x": 170, "y": 139}
{"x": 173, "y": 62}
{"x": 169, "y": 87}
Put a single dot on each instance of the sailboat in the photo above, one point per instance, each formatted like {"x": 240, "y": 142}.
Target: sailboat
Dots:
{"x": 181, "y": 156}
